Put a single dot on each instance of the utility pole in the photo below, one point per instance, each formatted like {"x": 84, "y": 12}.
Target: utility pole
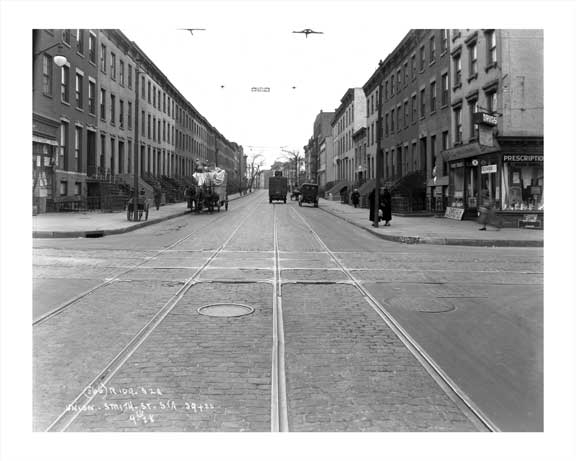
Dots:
{"x": 136, "y": 197}
{"x": 378, "y": 178}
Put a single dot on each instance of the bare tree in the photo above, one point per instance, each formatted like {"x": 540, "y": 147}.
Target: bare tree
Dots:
{"x": 253, "y": 167}
{"x": 295, "y": 158}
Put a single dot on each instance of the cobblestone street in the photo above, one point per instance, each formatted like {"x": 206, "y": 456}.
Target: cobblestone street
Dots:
{"x": 125, "y": 348}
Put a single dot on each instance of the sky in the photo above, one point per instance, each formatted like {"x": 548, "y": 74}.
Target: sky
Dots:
{"x": 252, "y": 45}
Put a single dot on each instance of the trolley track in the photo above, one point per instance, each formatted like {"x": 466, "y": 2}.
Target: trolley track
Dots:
{"x": 463, "y": 402}
{"x": 67, "y": 304}
{"x": 83, "y": 399}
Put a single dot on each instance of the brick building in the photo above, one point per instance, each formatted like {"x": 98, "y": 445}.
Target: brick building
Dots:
{"x": 84, "y": 124}
{"x": 497, "y": 106}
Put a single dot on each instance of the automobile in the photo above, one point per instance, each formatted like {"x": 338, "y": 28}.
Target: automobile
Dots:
{"x": 277, "y": 187}
{"x": 308, "y": 194}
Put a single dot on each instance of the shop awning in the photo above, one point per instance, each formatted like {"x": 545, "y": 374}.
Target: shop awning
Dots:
{"x": 467, "y": 151}
{"x": 42, "y": 140}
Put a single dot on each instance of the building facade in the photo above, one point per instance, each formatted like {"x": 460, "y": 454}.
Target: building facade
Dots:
{"x": 497, "y": 119}
{"x": 416, "y": 119}
{"x": 87, "y": 129}
{"x": 348, "y": 118}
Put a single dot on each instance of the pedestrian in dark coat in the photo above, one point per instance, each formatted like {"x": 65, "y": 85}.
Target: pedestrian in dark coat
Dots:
{"x": 157, "y": 198}
{"x": 355, "y": 196}
{"x": 386, "y": 206}
{"x": 371, "y": 198}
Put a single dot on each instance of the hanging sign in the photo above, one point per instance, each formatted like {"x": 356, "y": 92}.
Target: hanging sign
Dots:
{"x": 488, "y": 169}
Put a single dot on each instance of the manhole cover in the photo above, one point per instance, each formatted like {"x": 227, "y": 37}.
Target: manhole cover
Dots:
{"x": 225, "y": 310}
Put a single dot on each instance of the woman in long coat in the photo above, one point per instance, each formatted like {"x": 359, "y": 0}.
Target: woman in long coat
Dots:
{"x": 386, "y": 206}
{"x": 371, "y": 199}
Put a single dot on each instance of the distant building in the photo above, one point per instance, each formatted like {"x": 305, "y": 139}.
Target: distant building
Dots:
{"x": 348, "y": 118}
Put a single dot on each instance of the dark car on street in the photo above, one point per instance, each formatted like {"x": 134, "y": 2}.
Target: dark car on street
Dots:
{"x": 308, "y": 194}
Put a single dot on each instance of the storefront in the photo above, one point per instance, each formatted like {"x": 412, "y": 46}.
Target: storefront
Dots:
{"x": 511, "y": 178}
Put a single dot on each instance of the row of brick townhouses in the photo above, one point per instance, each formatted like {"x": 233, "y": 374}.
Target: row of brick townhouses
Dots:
{"x": 460, "y": 119}
{"x": 84, "y": 122}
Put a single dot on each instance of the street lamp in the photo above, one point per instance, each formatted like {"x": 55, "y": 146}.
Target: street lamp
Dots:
{"x": 59, "y": 59}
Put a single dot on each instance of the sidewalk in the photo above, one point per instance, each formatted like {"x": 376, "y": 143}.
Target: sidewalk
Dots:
{"x": 435, "y": 230}
{"x": 98, "y": 224}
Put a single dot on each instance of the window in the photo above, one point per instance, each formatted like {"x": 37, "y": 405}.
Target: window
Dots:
{"x": 413, "y": 64}
{"x": 444, "y": 41}
{"x": 112, "y": 66}
{"x": 406, "y": 73}
{"x": 143, "y": 87}
{"x": 143, "y": 118}
{"x": 473, "y": 108}
{"x": 80, "y": 41}
{"x": 392, "y": 121}
{"x": 398, "y": 117}
{"x": 491, "y": 48}
{"x": 422, "y": 102}
{"x": 392, "y": 85}
{"x": 112, "y": 109}
{"x": 458, "y": 125}
{"x": 102, "y": 104}
{"x": 121, "y": 114}
{"x": 444, "y": 89}
{"x": 149, "y": 93}
{"x": 386, "y": 89}
{"x": 492, "y": 102}
{"x": 386, "y": 126}
{"x": 432, "y": 49}
{"x": 77, "y": 147}
{"x": 47, "y": 75}
{"x": 413, "y": 107}
{"x": 432, "y": 96}
{"x": 103, "y": 58}
{"x": 154, "y": 128}
{"x": 129, "y": 115}
{"x": 121, "y": 72}
{"x": 154, "y": 96}
{"x": 92, "y": 47}
{"x": 163, "y": 130}
{"x": 473, "y": 57}
{"x": 406, "y": 120}
{"x": 457, "y": 71}
{"x": 63, "y": 188}
{"x": 63, "y": 157}
{"x": 398, "y": 79}
{"x": 433, "y": 154}
{"x": 149, "y": 125}
{"x": 77, "y": 188}
{"x": 164, "y": 102}
{"x": 92, "y": 97}
{"x": 79, "y": 84}
{"x": 129, "y": 76}
{"x": 422, "y": 57}
{"x": 65, "y": 84}
{"x": 66, "y": 36}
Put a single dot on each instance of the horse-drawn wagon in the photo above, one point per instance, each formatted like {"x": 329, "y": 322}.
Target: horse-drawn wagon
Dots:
{"x": 209, "y": 191}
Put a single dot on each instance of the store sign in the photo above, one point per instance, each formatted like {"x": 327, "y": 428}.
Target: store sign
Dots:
{"x": 454, "y": 213}
{"x": 482, "y": 118}
{"x": 524, "y": 158}
{"x": 489, "y": 169}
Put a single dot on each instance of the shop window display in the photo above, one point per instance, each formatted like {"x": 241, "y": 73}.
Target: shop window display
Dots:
{"x": 523, "y": 187}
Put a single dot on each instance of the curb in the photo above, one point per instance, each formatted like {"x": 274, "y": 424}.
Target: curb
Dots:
{"x": 410, "y": 240}
{"x": 102, "y": 233}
